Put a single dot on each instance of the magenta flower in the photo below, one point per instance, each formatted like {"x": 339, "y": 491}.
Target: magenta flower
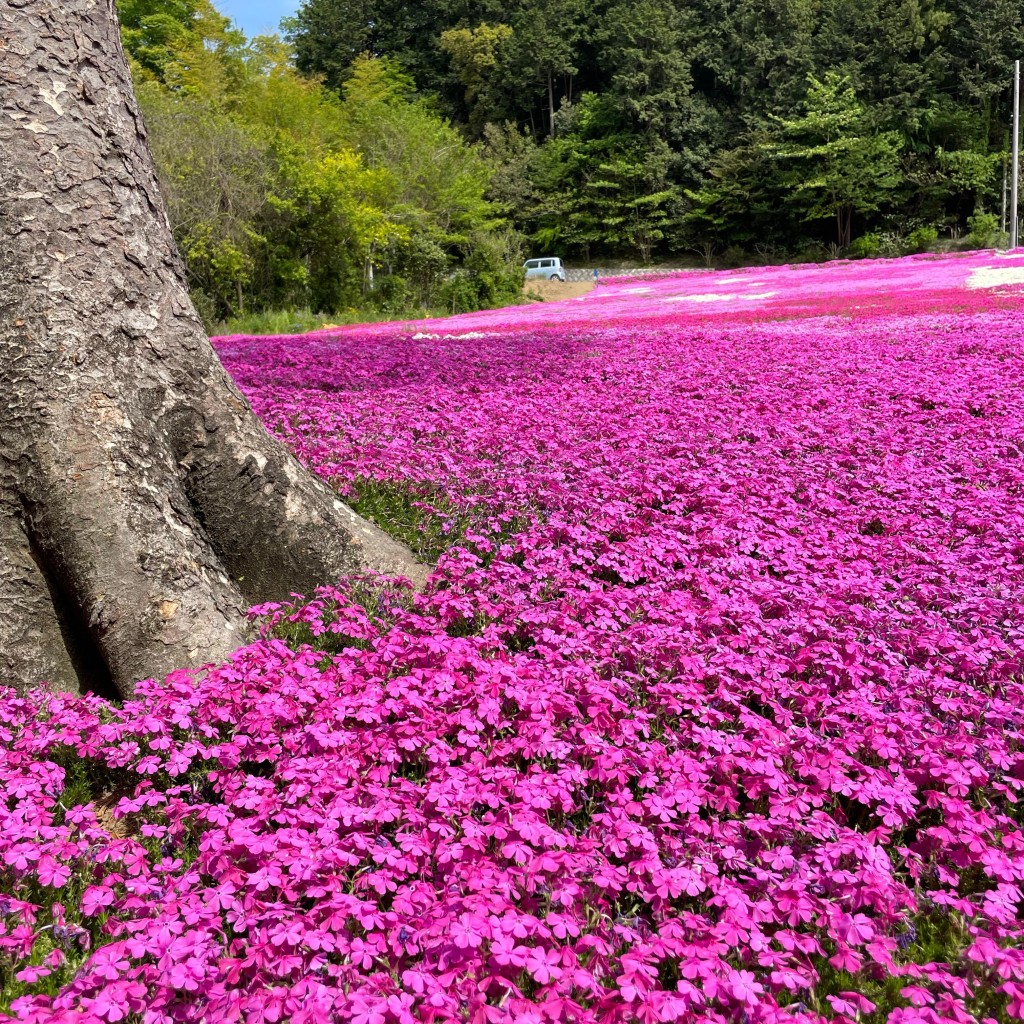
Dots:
{"x": 744, "y": 987}
{"x": 96, "y": 899}
{"x": 719, "y": 677}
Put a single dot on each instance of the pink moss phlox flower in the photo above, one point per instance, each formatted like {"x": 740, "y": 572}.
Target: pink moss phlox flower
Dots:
{"x": 717, "y": 692}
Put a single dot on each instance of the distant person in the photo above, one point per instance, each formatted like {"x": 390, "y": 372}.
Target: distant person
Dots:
{"x": 596, "y": 275}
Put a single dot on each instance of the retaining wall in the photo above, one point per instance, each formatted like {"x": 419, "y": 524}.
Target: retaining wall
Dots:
{"x": 587, "y": 273}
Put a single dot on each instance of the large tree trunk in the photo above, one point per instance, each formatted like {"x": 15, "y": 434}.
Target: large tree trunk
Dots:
{"x": 142, "y": 505}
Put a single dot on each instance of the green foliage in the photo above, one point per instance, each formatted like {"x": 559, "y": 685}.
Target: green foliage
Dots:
{"x": 827, "y": 162}
{"x": 380, "y": 600}
{"x": 328, "y": 37}
{"x": 598, "y": 189}
{"x": 867, "y": 246}
{"x": 615, "y": 130}
{"x": 922, "y": 239}
{"x": 934, "y": 935}
{"x": 905, "y": 122}
{"x": 329, "y": 34}
{"x": 831, "y": 159}
{"x": 550, "y": 37}
{"x": 439, "y": 183}
{"x": 511, "y": 153}
{"x": 425, "y": 519}
{"x": 742, "y": 200}
{"x": 288, "y": 321}
{"x": 646, "y": 47}
{"x": 475, "y": 54}
{"x": 884, "y": 244}
{"x": 491, "y": 275}
{"x": 62, "y": 928}
{"x": 420, "y": 517}
{"x": 283, "y": 194}
{"x": 983, "y": 230}
{"x": 159, "y": 33}
{"x": 967, "y": 170}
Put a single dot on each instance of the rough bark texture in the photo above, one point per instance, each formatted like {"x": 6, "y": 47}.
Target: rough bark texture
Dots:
{"x": 142, "y": 505}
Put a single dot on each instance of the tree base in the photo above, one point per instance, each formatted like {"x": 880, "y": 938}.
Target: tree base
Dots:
{"x": 108, "y": 576}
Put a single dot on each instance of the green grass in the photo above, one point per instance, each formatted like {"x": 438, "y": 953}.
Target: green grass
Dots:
{"x": 423, "y": 518}
{"x": 931, "y": 936}
{"x": 86, "y": 780}
{"x": 379, "y": 601}
{"x": 428, "y": 523}
{"x": 299, "y": 321}
{"x": 419, "y": 516}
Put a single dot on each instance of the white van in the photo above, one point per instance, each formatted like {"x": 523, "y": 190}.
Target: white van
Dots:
{"x": 550, "y": 269}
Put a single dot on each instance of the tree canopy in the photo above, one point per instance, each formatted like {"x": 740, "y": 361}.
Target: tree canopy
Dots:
{"x": 659, "y": 105}
{"x": 284, "y": 193}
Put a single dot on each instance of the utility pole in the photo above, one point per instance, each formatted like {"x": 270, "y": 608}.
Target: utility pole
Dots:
{"x": 1016, "y": 154}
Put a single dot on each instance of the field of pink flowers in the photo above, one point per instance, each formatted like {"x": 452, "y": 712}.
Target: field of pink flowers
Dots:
{"x": 713, "y": 709}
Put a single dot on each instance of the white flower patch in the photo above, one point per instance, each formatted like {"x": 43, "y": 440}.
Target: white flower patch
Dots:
{"x": 702, "y": 297}
{"x": 995, "y": 277}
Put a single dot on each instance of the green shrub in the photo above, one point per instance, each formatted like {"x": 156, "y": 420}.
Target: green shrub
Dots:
{"x": 459, "y": 294}
{"x": 392, "y": 293}
{"x": 983, "y": 230}
{"x": 206, "y": 307}
{"x": 734, "y": 256}
{"x": 866, "y": 247}
{"x": 810, "y": 251}
{"x": 922, "y": 239}
{"x": 891, "y": 244}
{"x": 276, "y": 321}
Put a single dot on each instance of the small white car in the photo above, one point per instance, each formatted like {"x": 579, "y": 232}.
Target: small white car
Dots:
{"x": 550, "y": 269}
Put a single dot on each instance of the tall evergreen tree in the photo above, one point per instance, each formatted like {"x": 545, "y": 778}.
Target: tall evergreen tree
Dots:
{"x": 835, "y": 162}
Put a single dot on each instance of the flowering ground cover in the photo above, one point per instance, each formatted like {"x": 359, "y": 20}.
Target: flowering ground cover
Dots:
{"x": 712, "y": 710}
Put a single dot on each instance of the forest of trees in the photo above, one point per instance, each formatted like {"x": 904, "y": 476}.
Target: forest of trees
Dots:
{"x": 651, "y": 126}
{"x": 285, "y": 194}
{"x": 407, "y": 155}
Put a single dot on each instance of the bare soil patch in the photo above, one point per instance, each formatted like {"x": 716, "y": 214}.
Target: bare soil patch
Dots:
{"x": 551, "y": 291}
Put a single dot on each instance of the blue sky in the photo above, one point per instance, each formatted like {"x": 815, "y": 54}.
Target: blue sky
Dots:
{"x": 256, "y": 16}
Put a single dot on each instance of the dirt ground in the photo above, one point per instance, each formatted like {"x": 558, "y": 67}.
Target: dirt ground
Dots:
{"x": 549, "y": 291}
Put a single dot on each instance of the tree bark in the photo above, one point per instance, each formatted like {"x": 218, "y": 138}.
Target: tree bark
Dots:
{"x": 142, "y": 504}
{"x": 844, "y": 224}
{"x": 551, "y": 103}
